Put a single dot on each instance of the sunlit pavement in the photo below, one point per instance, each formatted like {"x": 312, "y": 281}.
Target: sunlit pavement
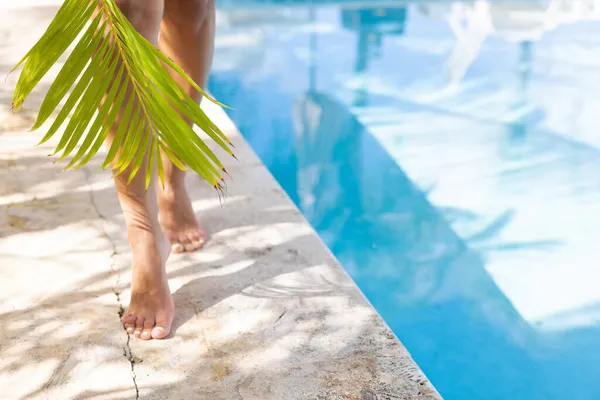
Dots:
{"x": 264, "y": 312}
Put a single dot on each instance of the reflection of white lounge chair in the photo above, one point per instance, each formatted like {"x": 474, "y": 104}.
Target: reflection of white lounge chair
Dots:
{"x": 473, "y": 23}
{"x": 522, "y": 24}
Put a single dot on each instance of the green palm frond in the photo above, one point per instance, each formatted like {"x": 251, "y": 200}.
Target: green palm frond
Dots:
{"x": 114, "y": 74}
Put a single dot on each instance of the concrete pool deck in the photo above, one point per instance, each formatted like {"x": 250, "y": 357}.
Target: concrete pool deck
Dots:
{"x": 264, "y": 312}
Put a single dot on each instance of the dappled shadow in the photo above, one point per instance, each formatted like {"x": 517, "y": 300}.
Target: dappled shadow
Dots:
{"x": 35, "y": 195}
{"x": 281, "y": 362}
{"x": 263, "y": 292}
{"x": 258, "y": 272}
{"x": 58, "y": 310}
{"x": 261, "y": 269}
{"x": 202, "y": 293}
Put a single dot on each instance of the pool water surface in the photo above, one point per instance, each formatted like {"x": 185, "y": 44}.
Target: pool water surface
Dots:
{"x": 448, "y": 153}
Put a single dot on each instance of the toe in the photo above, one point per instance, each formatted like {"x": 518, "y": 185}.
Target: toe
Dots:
{"x": 139, "y": 327}
{"x": 188, "y": 244}
{"x": 147, "y": 332}
{"x": 162, "y": 327}
{"x": 195, "y": 241}
{"x": 198, "y": 235}
{"x": 198, "y": 241}
{"x": 128, "y": 321}
{"x": 192, "y": 246}
{"x": 159, "y": 332}
{"x": 177, "y": 247}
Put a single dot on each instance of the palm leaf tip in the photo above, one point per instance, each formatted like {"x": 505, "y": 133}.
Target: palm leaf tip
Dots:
{"x": 114, "y": 74}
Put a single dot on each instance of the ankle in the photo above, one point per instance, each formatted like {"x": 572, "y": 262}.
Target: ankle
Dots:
{"x": 149, "y": 246}
{"x": 168, "y": 191}
{"x": 174, "y": 182}
{"x": 140, "y": 236}
{"x": 172, "y": 192}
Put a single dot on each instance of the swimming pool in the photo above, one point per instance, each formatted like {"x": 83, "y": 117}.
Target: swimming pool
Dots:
{"x": 449, "y": 155}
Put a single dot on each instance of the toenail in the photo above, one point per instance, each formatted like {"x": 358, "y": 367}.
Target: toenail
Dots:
{"x": 178, "y": 248}
{"x": 129, "y": 330}
{"x": 158, "y": 331}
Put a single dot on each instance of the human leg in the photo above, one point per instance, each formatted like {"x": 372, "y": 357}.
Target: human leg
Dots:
{"x": 151, "y": 308}
{"x": 187, "y": 37}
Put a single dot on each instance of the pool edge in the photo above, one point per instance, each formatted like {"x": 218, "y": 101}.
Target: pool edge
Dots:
{"x": 401, "y": 357}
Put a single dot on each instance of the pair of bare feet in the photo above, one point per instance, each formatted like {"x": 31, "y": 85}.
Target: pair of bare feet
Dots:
{"x": 161, "y": 220}
{"x": 151, "y": 309}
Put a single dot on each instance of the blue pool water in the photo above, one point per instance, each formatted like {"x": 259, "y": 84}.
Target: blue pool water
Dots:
{"x": 449, "y": 155}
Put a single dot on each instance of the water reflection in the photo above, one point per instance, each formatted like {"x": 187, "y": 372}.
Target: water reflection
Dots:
{"x": 447, "y": 153}
{"x": 371, "y": 25}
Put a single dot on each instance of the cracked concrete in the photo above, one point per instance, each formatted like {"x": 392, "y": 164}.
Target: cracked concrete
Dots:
{"x": 263, "y": 312}
{"x": 127, "y": 353}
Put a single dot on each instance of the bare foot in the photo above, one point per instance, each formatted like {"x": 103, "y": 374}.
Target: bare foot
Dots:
{"x": 178, "y": 221}
{"x": 151, "y": 309}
